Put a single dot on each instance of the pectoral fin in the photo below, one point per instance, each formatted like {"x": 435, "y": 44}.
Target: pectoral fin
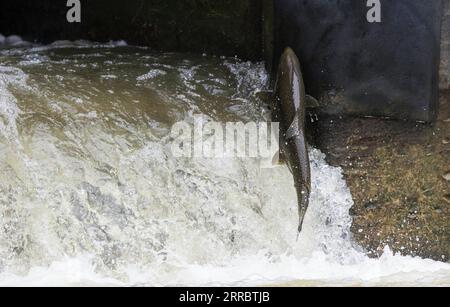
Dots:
{"x": 279, "y": 158}
{"x": 294, "y": 129}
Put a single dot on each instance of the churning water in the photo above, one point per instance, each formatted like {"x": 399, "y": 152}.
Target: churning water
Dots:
{"x": 90, "y": 193}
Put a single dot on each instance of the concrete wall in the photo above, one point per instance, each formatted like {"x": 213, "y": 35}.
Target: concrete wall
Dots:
{"x": 222, "y": 27}
{"x": 356, "y": 67}
{"x": 445, "y": 48}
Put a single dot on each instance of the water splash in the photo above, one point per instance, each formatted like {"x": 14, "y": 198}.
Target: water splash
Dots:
{"x": 90, "y": 193}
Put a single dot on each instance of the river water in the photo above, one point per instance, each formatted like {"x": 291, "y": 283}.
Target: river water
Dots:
{"x": 90, "y": 193}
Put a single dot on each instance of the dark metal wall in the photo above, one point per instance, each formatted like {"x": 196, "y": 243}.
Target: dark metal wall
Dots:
{"x": 382, "y": 69}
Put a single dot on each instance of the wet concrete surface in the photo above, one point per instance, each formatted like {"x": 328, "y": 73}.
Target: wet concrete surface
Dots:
{"x": 398, "y": 175}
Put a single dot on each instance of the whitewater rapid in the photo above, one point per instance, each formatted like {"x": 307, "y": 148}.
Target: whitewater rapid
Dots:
{"x": 90, "y": 193}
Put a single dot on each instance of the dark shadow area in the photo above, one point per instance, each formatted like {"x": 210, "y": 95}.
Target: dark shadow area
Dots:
{"x": 387, "y": 68}
{"x": 225, "y": 27}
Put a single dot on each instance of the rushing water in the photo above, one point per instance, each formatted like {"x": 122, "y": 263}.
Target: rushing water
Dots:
{"x": 90, "y": 193}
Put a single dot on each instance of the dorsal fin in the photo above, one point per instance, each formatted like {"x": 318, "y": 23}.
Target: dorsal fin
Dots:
{"x": 311, "y": 102}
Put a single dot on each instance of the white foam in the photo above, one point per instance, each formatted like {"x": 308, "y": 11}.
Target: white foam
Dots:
{"x": 254, "y": 270}
{"x": 119, "y": 43}
{"x": 67, "y": 272}
{"x": 315, "y": 259}
{"x": 78, "y": 44}
{"x": 96, "y": 183}
{"x": 13, "y": 40}
{"x": 250, "y": 78}
{"x": 9, "y": 111}
{"x": 151, "y": 75}
{"x": 109, "y": 77}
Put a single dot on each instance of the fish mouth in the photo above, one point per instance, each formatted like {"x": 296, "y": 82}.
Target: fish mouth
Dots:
{"x": 303, "y": 203}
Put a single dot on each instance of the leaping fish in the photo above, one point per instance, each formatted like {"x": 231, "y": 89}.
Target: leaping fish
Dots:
{"x": 289, "y": 109}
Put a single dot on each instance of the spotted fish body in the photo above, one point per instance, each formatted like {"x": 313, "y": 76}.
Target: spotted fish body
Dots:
{"x": 289, "y": 109}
